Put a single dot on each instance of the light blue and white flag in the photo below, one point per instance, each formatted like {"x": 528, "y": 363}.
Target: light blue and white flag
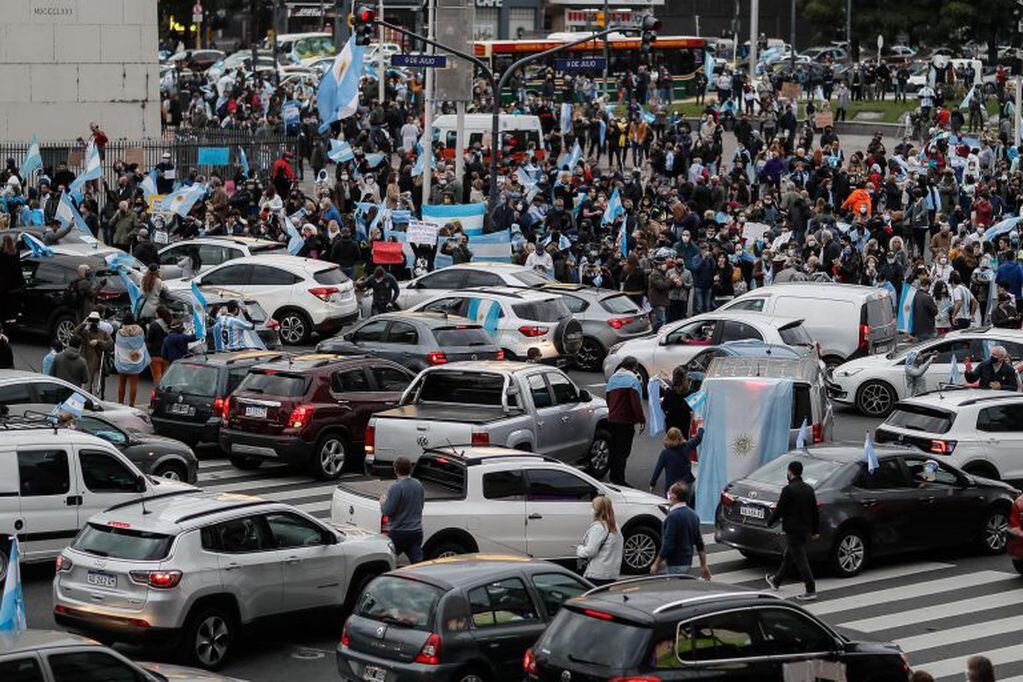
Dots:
{"x": 573, "y": 158}
{"x": 243, "y": 161}
{"x": 74, "y": 405}
{"x": 647, "y": 116}
{"x": 697, "y": 403}
{"x": 603, "y": 131}
{"x": 614, "y": 209}
{"x": 295, "y": 239}
{"x": 955, "y": 377}
{"x": 337, "y": 96}
{"x": 33, "y": 160}
{"x": 623, "y": 241}
{"x": 198, "y": 312}
{"x": 965, "y": 104}
{"x": 181, "y": 201}
{"x": 92, "y": 171}
{"x": 36, "y": 247}
{"x": 868, "y": 453}
{"x": 134, "y": 293}
{"x": 470, "y": 216}
{"x": 374, "y": 159}
{"x": 340, "y": 151}
{"x": 148, "y": 184}
{"x": 1002, "y": 227}
{"x": 67, "y": 213}
{"x": 708, "y": 68}
{"x": 495, "y": 247}
{"x": 655, "y": 418}
{"x": 12, "y": 604}
{"x": 801, "y": 436}
{"x": 904, "y": 322}
{"x": 565, "y": 120}
{"x": 119, "y": 260}
{"x": 130, "y": 354}
{"x": 892, "y": 294}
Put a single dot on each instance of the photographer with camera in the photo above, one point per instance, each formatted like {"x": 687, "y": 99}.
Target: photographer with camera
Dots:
{"x": 94, "y": 343}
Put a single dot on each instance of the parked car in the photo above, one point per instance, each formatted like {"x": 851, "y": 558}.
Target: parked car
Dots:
{"x": 214, "y": 251}
{"x": 192, "y": 569}
{"x": 416, "y": 340}
{"x": 310, "y": 411}
{"x": 1014, "y": 535}
{"x": 519, "y": 321}
{"x": 152, "y": 454}
{"x": 847, "y": 321}
{"x": 460, "y": 619}
{"x": 457, "y": 277}
{"x": 607, "y": 317}
{"x": 680, "y": 628}
{"x": 911, "y": 501}
{"x": 495, "y": 499}
{"x": 512, "y": 404}
{"x": 42, "y": 655}
{"x": 190, "y": 402}
{"x": 696, "y": 368}
{"x": 875, "y": 383}
{"x": 678, "y": 343}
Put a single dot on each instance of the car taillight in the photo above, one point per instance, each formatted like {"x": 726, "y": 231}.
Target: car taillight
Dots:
{"x": 273, "y": 324}
{"x": 943, "y": 447}
{"x": 369, "y": 442}
{"x": 532, "y": 331}
{"x": 634, "y": 679}
{"x": 529, "y": 663}
{"x": 107, "y": 294}
{"x": 63, "y": 564}
{"x": 619, "y": 322}
{"x": 864, "y": 336}
{"x": 161, "y": 580}
{"x": 300, "y": 416}
{"x": 480, "y": 438}
{"x": 323, "y": 293}
{"x": 385, "y": 521}
{"x": 430, "y": 653}
{"x": 727, "y": 499}
{"x": 221, "y": 407}
{"x": 818, "y": 433}
{"x": 436, "y": 357}
{"x": 152, "y": 398}
{"x": 500, "y": 354}
{"x": 344, "y": 635}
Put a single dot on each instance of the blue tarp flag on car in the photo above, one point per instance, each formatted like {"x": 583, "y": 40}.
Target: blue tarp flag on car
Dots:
{"x": 337, "y": 96}
{"x": 36, "y": 247}
{"x": 120, "y": 259}
{"x": 198, "y": 312}
{"x": 92, "y": 171}
{"x": 736, "y": 442}
{"x": 904, "y": 322}
{"x": 12, "y": 604}
{"x": 33, "y": 160}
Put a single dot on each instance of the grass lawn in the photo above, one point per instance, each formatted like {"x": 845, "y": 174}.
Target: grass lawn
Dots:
{"x": 889, "y": 110}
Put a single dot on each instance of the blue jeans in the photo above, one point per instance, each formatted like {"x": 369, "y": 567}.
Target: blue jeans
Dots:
{"x": 657, "y": 316}
{"x": 681, "y": 569}
{"x": 704, "y": 301}
{"x": 409, "y": 543}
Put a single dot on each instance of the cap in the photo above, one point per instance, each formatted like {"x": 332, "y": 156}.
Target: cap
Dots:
{"x": 93, "y": 315}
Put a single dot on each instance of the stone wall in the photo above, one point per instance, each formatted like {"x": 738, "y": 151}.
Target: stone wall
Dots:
{"x": 64, "y": 63}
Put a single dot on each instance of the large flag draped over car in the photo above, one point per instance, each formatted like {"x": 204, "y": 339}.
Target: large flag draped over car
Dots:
{"x": 12, "y": 604}
{"x": 337, "y": 96}
{"x": 738, "y": 441}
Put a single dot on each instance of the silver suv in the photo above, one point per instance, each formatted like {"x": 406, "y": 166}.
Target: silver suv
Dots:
{"x": 190, "y": 569}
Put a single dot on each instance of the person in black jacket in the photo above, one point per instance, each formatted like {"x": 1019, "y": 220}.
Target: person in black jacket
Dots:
{"x": 677, "y": 413}
{"x": 996, "y": 372}
{"x": 800, "y": 520}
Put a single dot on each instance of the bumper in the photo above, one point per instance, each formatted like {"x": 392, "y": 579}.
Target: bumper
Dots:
{"x": 117, "y": 628}
{"x": 763, "y": 540}
{"x": 334, "y": 323}
{"x": 378, "y": 468}
{"x": 839, "y": 393}
{"x": 286, "y": 448}
{"x": 351, "y": 666}
{"x": 188, "y": 432}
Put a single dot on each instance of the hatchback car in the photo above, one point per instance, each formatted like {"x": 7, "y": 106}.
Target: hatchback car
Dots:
{"x": 911, "y": 501}
{"x": 463, "y": 276}
{"x": 461, "y": 619}
{"x": 309, "y": 411}
{"x": 680, "y": 628}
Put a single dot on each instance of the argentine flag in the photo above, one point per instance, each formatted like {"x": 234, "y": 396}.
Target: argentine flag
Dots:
{"x": 340, "y": 151}
{"x": 470, "y": 216}
{"x": 954, "y": 376}
{"x": 148, "y": 184}
{"x": 12, "y": 604}
{"x": 74, "y": 405}
{"x": 574, "y": 157}
{"x": 869, "y": 454}
{"x": 36, "y": 247}
{"x": 965, "y": 104}
{"x": 904, "y": 322}
{"x": 182, "y": 201}
{"x": 374, "y": 159}
{"x": 92, "y": 170}
{"x": 67, "y": 213}
{"x": 198, "y": 313}
{"x": 566, "y": 118}
{"x": 295, "y": 240}
{"x": 243, "y": 161}
{"x": 33, "y": 158}
{"x": 134, "y": 293}
{"x": 614, "y": 209}
{"x": 130, "y": 354}
{"x": 337, "y": 96}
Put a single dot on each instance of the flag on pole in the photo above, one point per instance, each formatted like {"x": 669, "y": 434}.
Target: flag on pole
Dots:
{"x": 33, "y": 158}
{"x": 614, "y": 209}
{"x": 198, "y": 312}
{"x": 243, "y": 161}
{"x": 869, "y": 454}
{"x": 904, "y": 322}
{"x": 340, "y": 151}
{"x": 801, "y": 436}
{"x": 965, "y": 104}
{"x": 36, "y": 247}
{"x": 573, "y": 158}
{"x": 67, "y": 213}
{"x": 92, "y": 170}
{"x": 337, "y": 96}
{"x": 182, "y": 200}
{"x": 12, "y": 604}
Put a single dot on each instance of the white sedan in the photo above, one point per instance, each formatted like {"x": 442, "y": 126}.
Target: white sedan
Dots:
{"x": 677, "y": 343}
{"x": 873, "y": 384}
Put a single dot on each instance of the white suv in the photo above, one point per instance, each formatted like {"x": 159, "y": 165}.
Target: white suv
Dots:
{"x": 214, "y": 251}
{"x": 518, "y": 320}
{"x": 979, "y": 431}
{"x": 193, "y": 568}
{"x": 465, "y": 275}
{"x": 304, "y": 295}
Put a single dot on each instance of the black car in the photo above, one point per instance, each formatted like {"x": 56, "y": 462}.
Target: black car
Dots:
{"x": 190, "y": 402}
{"x": 465, "y": 619}
{"x": 681, "y": 628}
{"x": 417, "y": 340}
{"x": 154, "y": 455}
{"x": 911, "y": 501}
{"x": 47, "y": 304}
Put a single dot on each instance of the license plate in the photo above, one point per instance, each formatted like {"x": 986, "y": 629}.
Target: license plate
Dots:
{"x": 101, "y": 579}
{"x": 752, "y": 512}
{"x": 883, "y": 348}
{"x": 255, "y": 411}
{"x": 182, "y": 408}
{"x": 373, "y": 673}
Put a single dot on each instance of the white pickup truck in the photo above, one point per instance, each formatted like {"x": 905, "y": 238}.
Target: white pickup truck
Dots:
{"x": 511, "y": 404}
{"x": 497, "y": 500}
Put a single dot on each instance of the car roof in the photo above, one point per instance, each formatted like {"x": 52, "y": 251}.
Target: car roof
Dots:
{"x": 237, "y": 357}
{"x": 220, "y": 238}
{"x": 498, "y": 366}
{"x": 848, "y": 453}
{"x": 745, "y": 316}
{"x": 27, "y": 641}
{"x": 482, "y": 454}
{"x": 466, "y": 569}
{"x": 308, "y": 362}
{"x": 805, "y": 369}
{"x": 510, "y": 292}
{"x": 755, "y": 348}
{"x": 833, "y": 290}
{"x": 287, "y": 261}
{"x": 429, "y": 318}
{"x": 1014, "y": 334}
{"x": 954, "y": 397}
{"x": 178, "y": 510}
{"x": 72, "y": 260}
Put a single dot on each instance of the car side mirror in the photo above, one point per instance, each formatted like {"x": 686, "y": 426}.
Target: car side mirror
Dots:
{"x": 93, "y": 406}
{"x": 331, "y": 538}
{"x": 140, "y": 484}
{"x": 584, "y": 396}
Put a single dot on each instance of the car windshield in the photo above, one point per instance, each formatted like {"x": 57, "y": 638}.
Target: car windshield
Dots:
{"x": 795, "y": 335}
{"x": 815, "y": 470}
{"x": 462, "y": 336}
{"x": 394, "y": 600}
{"x": 272, "y": 382}
{"x": 917, "y": 418}
{"x": 619, "y": 304}
{"x": 122, "y": 543}
{"x": 191, "y": 378}
{"x": 468, "y": 388}
{"x": 531, "y": 278}
{"x": 584, "y": 639}
{"x": 551, "y": 310}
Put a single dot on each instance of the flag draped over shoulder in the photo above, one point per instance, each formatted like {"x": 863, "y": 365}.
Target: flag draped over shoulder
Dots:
{"x": 130, "y": 354}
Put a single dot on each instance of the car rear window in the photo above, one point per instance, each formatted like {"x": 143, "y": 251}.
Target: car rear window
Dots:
{"x": 275, "y": 383}
{"x": 880, "y": 312}
{"x": 795, "y": 335}
{"x": 408, "y": 603}
{"x": 191, "y": 378}
{"x": 917, "y": 418}
{"x": 122, "y": 543}
{"x": 330, "y": 276}
{"x": 620, "y": 304}
{"x": 255, "y": 312}
{"x": 441, "y": 472}
{"x": 470, "y": 388}
{"x": 551, "y": 310}
{"x": 587, "y": 638}
{"x": 815, "y": 470}
{"x": 461, "y": 336}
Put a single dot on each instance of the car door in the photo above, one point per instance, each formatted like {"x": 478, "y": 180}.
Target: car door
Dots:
{"x": 234, "y": 276}
{"x": 49, "y": 501}
{"x": 314, "y": 570}
{"x": 948, "y": 511}
{"x": 106, "y": 479}
{"x": 549, "y": 438}
{"x": 723, "y": 645}
{"x": 501, "y": 521}
{"x": 732, "y": 330}
{"x": 679, "y": 346}
{"x": 505, "y": 621}
{"x": 368, "y": 337}
{"x": 388, "y": 384}
{"x": 940, "y": 369}
{"x": 250, "y": 565}
{"x": 793, "y": 640}
{"x": 401, "y": 344}
{"x": 91, "y": 665}
{"x": 574, "y": 419}
{"x": 554, "y": 589}
{"x": 886, "y": 501}
{"x": 274, "y": 287}
{"x": 558, "y": 511}
{"x": 24, "y": 667}
{"x": 1000, "y": 439}
{"x": 428, "y": 286}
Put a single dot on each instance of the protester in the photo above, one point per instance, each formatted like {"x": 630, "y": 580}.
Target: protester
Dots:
{"x": 70, "y": 366}
{"x": 680, "y": 536}
{"x": 95, "y": 343}
{"x": 154, "y": 290}
{"x": 979, "y": 669}
{"x": 402, "y": 504}
{"x": 800, "y": 518}
{"x": 625, "y": 410}
{"x": 677, "y": 412}
{"x": 916, "y": 366}
{"x": 156, "y": 333}
{"x": 47, "y": 365}
{"x": 996, "y": 372}
{"x": 131, "y": 357}
{"x": 601, "y": 548}
{"x": 674, "y": 460}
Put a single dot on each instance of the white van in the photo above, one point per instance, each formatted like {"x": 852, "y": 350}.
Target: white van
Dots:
{"x": 846, "y": 320}
{"x": 517, "y": 131}
{"x": 303, "y": 48}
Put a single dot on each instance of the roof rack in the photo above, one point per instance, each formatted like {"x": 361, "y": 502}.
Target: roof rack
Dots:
{"x": 641, "y": 579}
{"x": 151, "y": 498}
{"x": 717, "y": 595}
{"x": 13, "y": 422}
{"x": 218, "y": 510}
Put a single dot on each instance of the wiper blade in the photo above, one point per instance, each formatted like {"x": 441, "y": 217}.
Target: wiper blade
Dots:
{"x": 576, "y": 659}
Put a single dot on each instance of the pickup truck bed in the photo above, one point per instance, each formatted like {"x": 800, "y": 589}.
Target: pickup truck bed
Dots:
{"x": 372, "y": 489}
{"x": 477, "y": 414}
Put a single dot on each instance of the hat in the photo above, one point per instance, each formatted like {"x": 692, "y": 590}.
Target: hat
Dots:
{"x": 144, "y": 233}
{"x": 94, "y": 315}
{"x": 166, "y": 155}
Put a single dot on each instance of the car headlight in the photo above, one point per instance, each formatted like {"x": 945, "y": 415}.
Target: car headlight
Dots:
{"x": 849, "y": 372}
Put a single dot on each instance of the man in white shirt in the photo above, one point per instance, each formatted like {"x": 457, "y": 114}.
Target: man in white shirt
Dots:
{"x": 409, "y": 135}
{"x": 926, "y": 96}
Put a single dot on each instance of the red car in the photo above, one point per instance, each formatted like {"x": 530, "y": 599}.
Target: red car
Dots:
{"x": 1014, "y": 534}
{"x": 310, "y": 411}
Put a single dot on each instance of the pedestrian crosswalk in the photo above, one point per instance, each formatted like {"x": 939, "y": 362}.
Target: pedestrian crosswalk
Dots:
{"x": 940, "y": 612}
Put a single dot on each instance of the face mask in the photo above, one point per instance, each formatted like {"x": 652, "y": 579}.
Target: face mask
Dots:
{"x": 944, "y": 261}
{"x": 685, "y": 239}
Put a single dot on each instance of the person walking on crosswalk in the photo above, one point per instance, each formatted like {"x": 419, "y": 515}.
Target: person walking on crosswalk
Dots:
{"x": 800, "y": 520}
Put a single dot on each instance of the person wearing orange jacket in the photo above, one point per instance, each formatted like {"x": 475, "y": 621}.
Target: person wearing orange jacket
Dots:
{"x": 857, "y": 200}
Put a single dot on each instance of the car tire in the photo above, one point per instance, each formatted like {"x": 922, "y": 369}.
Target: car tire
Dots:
{"x": 598, "y": 460}
{"x": 640, "y": 544}
{"x": 993, "y": 531}
{"x": 209, "y": 636}
{"x": 63, "y": 328}
{"x": 175, "y": 471}
{"x": 876, "y": 398}
{"x": 471, "y": 675}
{"x": 295, "y": 327}
{"x": 330, "y": 457}
{"x": 590, "y": 357}
{"x": 246, "y": 463}
{"x": 849, "y": 553}
{"x": 1018, "y": 565}
{"x": 356, "y": 589}
{"x": 446, "y": 548}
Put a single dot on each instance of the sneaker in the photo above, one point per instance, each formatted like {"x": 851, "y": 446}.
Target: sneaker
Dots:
{"x": 806, "y": 596}
{"x": 771, "y": 581}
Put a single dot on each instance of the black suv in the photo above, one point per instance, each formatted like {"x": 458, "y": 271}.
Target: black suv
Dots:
{"x": 465, "y": 618}
{"x": 681, "y": 628}
{"x": 190, "y": 403}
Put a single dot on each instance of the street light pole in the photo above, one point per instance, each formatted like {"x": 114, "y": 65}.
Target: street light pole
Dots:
{"x": 427, "y": 104}
{"x": 792, "y": 36}
{"x": 848, "y": 31}
{"x": 754, "y": 29}
{"x": 381, "y": 73}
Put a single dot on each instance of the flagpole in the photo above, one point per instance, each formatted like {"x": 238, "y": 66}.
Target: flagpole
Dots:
{"x": 428, "y": 113}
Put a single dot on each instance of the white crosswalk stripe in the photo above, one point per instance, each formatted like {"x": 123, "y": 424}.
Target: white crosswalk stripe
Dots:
{"x": 273, "y": 483}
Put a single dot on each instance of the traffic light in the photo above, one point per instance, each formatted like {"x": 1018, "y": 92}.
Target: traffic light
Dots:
{"x": 363, "y": 25}
{"x": 650, "y": 26}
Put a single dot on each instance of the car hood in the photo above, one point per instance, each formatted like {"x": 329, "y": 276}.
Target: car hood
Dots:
{"x": 162, "y": 486}
{"x": 179, "y": 673}
{"x": 642, "y": 344}
{"x": 865, "y": 363}
{"x": 994, "y": 483}
{"x": 139, "y": 438}
{"x": 633, "y": 496}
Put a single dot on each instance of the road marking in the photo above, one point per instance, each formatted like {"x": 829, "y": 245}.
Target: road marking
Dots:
{"x": 941, "y": 586}
{"x": 929, "y": 613}
{"x": 956, "y": 666}
{"x": 963, "y": 633}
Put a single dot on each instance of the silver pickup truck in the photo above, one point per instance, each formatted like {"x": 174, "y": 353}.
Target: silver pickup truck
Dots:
{"x": 518, "y": 405}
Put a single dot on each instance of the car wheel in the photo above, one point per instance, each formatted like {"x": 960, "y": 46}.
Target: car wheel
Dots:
{"x": 171, "y": 470}
{"x": 246, "y": 463}
{"x": 1018, "y": 565}
{"x": 992, "y": 537}
{"x": 64, "y": 328}
{"x": 876, "y": 399}
{"x": 295, "y": 328}
{"x": 590, "y": 357}
{"x": 446, "y": 549}
{"x": 599, "y": 460}
{"x": 330, "y": 458}
{"x": 209, "y": 637}
{"x": 471, "y": 675}
{"x": 849, "y": 553}
{"x": 639, "y": 549}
